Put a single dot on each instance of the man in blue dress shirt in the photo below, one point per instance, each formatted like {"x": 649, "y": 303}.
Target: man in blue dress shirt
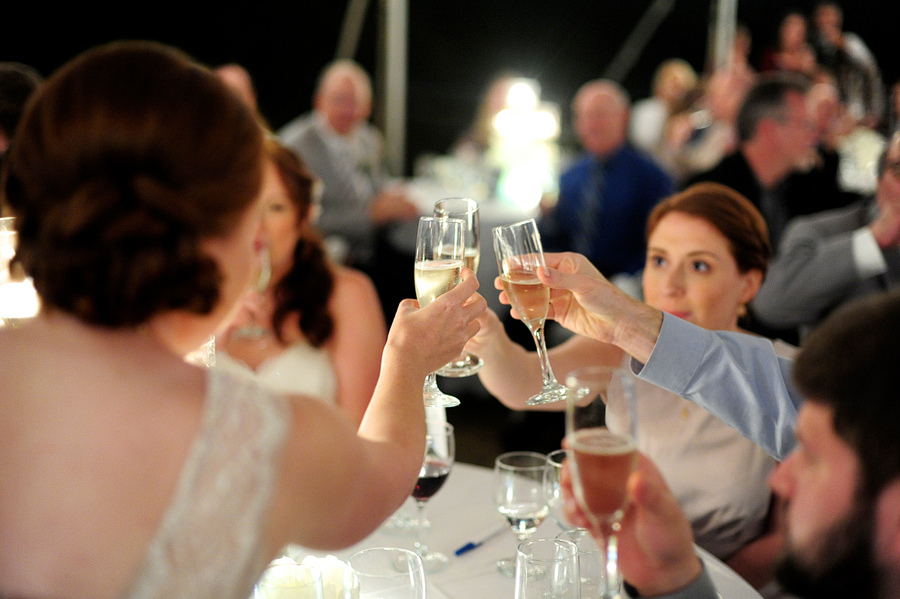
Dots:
{"x": 607, "y": 194}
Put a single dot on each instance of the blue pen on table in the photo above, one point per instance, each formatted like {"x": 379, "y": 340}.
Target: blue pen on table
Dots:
{"x": 473, "y": 544}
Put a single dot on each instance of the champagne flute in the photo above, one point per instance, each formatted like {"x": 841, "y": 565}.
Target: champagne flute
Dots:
{"x": 519, "y": 256}
{"x": 519, "y": 496}
{"x": 604, "y": 457}
{"x": 384, "y": 573}
{"x": 439, "y": 455}
{"x": 439, "y": 262}
{"x": 466, "y": 210}
{"x": 254, "y": 330}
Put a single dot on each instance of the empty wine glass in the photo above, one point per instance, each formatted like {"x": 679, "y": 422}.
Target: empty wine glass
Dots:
{"x": 439, "y": 262}
{"x": 591, "y": 563}
{"x": 519, "y": 496}
{"x": 552, "y": 490}
{"x": 439, "y": 455}
{"x": 603, "y": 459}
{"x": 466, "y": 210}
{"x": 519, "y": 256}
{"x": 385, "y": 573}
{"x": 547, "y": 569}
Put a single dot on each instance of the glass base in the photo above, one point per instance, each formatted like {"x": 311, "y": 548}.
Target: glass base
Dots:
{"x": 435, "y": 562}
{"x": 440, "y": 400}
{"x": 467, "y": 365}
{"x": 549, "y": 394}
{"x": 404, "y": 523}
{"x": 507, "y": 567}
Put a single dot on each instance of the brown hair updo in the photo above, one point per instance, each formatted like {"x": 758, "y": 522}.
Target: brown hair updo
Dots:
{"x": 307, "y": 287}
{"x": 728, "y": 211}
{"x": 126, "y": 159}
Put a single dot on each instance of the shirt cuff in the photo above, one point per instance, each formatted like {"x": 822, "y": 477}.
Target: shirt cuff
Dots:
{"x": 701, "y": 588}
{"x": 867, "y": 255}
{"x": 676, "y": 356}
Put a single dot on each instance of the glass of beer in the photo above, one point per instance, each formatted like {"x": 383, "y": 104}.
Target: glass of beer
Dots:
{"x": 601, "y": 419}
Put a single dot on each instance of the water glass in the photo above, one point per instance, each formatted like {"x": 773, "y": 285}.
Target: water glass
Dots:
{"x": 385, "y": 573}
{"x": 547, "y": 569}
{"x": 591, "y": 563}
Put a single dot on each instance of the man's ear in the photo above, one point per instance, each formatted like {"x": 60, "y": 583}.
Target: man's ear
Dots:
{"x": 887, "y": 522}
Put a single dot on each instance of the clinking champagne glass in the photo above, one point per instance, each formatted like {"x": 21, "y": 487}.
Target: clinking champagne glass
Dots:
{"x": 519, "y": 496}
{"x": 466, "y": 210}
{"x": 601, "y": 420}
{"x": 519, "y": 256}
{"x": 439, "y": 455}
{"x": 254, "y": 330}
{"x": 439, "y": 262}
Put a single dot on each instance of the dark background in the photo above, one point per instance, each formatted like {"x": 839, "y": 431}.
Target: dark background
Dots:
{"x": 455, "y": 48}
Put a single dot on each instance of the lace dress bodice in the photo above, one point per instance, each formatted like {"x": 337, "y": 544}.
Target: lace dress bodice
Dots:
{"x": 300, "y": 369}
{"x": 210, "y": 543}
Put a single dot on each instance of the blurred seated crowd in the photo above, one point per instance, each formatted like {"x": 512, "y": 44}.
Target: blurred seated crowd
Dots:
{"x": 750, "y": 198}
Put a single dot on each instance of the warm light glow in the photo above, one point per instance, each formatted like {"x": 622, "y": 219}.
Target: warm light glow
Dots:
{"x": 522, "y": 95}
{"x": 528, "y": 125}
{"x": 18, "y": 300}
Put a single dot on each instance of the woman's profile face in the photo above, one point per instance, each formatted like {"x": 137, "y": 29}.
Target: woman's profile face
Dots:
{"x": 280, "y": 227}
{"x": 691, "y": 273}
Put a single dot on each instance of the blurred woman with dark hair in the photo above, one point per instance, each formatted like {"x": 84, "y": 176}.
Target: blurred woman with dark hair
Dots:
{"x": 136, "y": 179}
{"x": 322, "y": 328}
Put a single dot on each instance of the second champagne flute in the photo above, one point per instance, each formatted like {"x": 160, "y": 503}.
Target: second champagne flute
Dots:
{"x": 439, "y": 262}
{"x": 466, "y": 210}
{"x": 439, "y": 454}
{"x": 519, "y": 256}
{"x": 604, "y": 454}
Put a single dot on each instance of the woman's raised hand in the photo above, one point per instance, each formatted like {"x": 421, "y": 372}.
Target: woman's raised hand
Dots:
{"x": 429, "y": 337}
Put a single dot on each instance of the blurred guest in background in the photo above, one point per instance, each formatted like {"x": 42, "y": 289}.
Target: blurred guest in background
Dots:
{"x": 321, "y": 330}
{"x": 673, "y": 79}
{"x": 346, "y": 153}
{"x": 851, "y": 61}
{"x": 832, "y": 257}
{"x": 776, "y": 136}
{"x": 607, "y": 194}
{"x": 793, "y": 53}
{"x": 706, "y": 256}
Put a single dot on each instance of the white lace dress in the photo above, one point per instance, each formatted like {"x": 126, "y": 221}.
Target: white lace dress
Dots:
{"x": 210, "y": 544}
{"x": 300, "y": 369}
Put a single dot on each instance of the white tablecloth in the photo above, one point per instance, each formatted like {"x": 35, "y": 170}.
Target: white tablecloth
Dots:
{"x": 463, "y": 511}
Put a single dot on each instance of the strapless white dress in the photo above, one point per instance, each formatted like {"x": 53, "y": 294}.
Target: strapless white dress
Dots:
{"x": 299, "y": 369}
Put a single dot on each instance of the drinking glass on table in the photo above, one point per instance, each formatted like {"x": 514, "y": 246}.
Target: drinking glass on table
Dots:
{"x": 552, "y": 490}
{"x": 466, "y": 210}
{"x": 547, "y": 569}
{"x": 519, "y": 496}
{"x": 519, "y": 256}
{"x": 591, "y": 563}
{"x": 439, "y": 262}
{"x": 385, "y": 573}
{"x": 602, "y": 445}
{"x": 439, "y": 455}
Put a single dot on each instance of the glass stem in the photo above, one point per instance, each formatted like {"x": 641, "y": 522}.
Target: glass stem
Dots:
{"x": 610, "y": 550}
{"x": 421, "y": 548}
{"x": 539, "y": 341}
{"x": 431, "y": 384}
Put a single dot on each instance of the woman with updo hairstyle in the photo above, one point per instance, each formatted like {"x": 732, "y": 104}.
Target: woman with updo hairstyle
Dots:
{"x": 707, "y": 253}
{"x": 137, "y": 181}
{"x": 318, "y": 327}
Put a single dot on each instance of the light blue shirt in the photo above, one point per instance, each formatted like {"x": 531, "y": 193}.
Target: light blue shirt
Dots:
{"x": 736, "y": 377}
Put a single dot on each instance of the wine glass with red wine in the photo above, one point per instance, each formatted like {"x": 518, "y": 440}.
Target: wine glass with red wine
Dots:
{"x": 439, "y": 456}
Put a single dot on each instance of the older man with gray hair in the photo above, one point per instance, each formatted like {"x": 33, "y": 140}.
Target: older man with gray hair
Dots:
{"x": 607, "y": 194}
